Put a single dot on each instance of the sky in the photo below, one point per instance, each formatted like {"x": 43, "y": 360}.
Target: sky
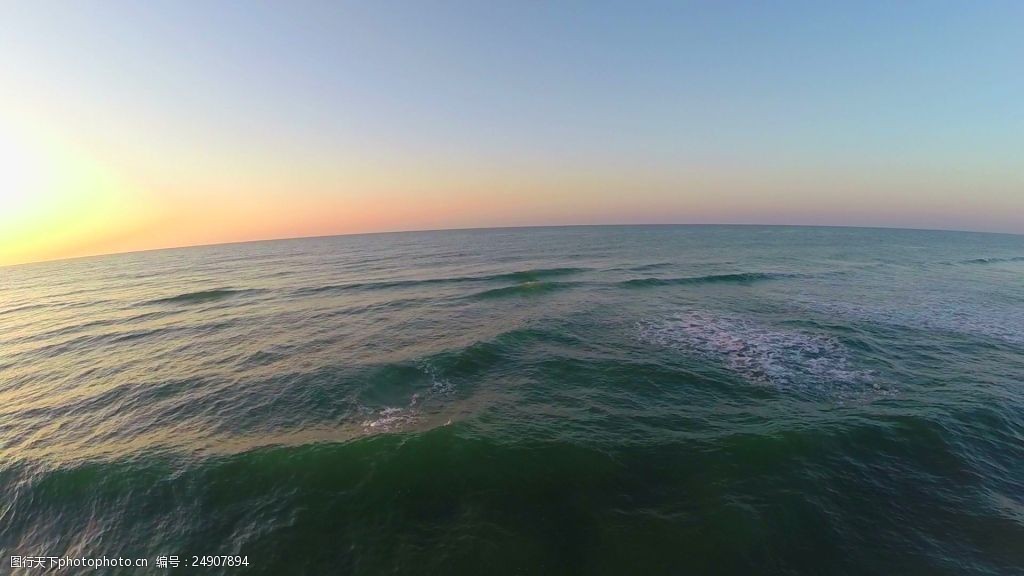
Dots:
{"x": 139, "y": 125}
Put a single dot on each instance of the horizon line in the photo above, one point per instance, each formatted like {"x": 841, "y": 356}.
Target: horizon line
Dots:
{"x": 513, "y": 227}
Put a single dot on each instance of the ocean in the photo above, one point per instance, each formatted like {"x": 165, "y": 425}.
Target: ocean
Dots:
{"x": 579, "y": 400}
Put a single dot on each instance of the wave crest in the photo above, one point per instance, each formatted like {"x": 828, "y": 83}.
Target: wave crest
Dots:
{"x": 993, "y": 260}
{"x": 735, "y": 278}
{"x": 525, "y": 289}
{"x": 522, "y": 276}
{"x": 204, "y": 296}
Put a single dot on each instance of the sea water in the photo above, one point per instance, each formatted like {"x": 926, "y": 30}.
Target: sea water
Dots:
{"x": 584, "y": 400}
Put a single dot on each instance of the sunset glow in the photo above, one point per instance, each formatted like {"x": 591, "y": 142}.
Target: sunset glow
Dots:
{"x": 137, "y": 127}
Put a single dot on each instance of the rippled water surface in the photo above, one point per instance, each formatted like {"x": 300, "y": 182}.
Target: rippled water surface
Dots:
{"x": 594, "y": 400}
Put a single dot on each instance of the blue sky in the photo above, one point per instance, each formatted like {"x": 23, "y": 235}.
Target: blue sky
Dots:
{"x": 865, "y": 113}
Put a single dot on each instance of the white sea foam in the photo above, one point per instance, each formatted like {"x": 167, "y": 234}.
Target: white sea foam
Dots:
{"x": 389, "y": 418}
{"x": 761, "y": 353}
{"x": 393, "y": 418}
{"x": 438, "y": 383}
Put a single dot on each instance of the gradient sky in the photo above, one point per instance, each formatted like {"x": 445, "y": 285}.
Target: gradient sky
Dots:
{"x": 135, "y": 125}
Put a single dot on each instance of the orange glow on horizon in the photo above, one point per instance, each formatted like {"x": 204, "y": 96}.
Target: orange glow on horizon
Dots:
{"x": 66, "y": 198}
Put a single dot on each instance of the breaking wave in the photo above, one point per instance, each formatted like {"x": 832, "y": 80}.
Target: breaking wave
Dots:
{"x": 760, "y": 353}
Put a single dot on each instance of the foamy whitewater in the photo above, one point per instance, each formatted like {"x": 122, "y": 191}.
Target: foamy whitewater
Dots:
{"x": 778, "y": 356}
{"x": 592, "y": 400}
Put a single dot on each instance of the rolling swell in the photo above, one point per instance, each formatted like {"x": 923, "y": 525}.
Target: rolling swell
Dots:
{"x": 536, "y": 274}
{"x": 736, "y": 278}
{"x": 204, "y": 296}
{"x": 280, "y": 505}
{"x": 526, "y": 289}
{"x": 533, "y": 275}
{"x": 992, "y": 260}
{"x": 564, "y": 506}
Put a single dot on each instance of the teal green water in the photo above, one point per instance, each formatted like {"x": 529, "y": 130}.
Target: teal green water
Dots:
{"x": 594, "y": 400}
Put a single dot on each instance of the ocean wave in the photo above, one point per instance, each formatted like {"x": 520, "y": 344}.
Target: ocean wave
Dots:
{"x": 445, "y": 372}
{"x": 760, "y": 353}
{"x": 22, "y": 308}
{"x": 327, "y": 288}
{"x": 89, "y": 327}
{"x": 735, "y": 278}
{"x": 397, "y": 418}
{"x": 523, "y": 276}
{"x": 268, "y": 503}
{"x": 389, "y": 419}
{"x": 648, "y": 267}
{"x": 536, "y": 274}
{"x": 200, "y": 296}
{"x": 525, "y": 289}
{"x": 332, "y": 402}
{"x": 992, "y": 260}
{"x": 950, "y": 316}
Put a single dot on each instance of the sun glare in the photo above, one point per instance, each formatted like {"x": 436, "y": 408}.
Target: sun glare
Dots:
{"x": 54, "y": 199}
{"x": 22, "y": 184}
